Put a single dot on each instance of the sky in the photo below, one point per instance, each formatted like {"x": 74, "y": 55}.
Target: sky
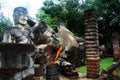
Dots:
{"x": 7, "y": 6}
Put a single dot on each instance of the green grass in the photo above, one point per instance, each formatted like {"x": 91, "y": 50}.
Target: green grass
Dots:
{"x": 104, "y": 63}
{"x": 119, "y": 72}
{"x": 82, "y": 69}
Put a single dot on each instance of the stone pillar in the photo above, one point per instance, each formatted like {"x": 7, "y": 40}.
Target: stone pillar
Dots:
{"x": 115, "y": 41}
{"x": 92, "y": 44}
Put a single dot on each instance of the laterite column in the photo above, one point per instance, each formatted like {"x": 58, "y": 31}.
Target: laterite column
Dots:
{"x": 116, "y": 51}
{"x": 92, "y": 44}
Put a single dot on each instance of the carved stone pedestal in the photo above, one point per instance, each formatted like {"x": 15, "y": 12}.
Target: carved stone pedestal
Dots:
{"x": 15, "y": 61}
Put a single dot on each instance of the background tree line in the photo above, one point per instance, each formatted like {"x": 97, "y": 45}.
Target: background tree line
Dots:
{"x": 72, "y": 13}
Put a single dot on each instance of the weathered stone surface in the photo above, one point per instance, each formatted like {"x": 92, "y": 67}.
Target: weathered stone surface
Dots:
{"x": 15, "y": 59}
{"x": 16, "y": 47}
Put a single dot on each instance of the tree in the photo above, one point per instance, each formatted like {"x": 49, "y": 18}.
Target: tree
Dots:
{"x": 4, "y": 22}
{"x": 71, "y": 12}
{"x": 65, "y": 10}
{"x": 109, "y": 23}
{"x": 108, "y": 18}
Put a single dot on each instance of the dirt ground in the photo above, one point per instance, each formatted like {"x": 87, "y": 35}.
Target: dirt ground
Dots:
{"x": 82, "y": 76}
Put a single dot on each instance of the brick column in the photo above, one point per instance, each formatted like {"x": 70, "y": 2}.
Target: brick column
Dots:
{"x": 116, "y": 51}
{"x": 92, "y": 44}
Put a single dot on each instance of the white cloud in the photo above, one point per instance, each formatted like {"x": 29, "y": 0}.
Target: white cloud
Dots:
{"x": 9, "y": 5}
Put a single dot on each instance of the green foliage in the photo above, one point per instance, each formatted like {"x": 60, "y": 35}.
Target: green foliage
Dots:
{"x": 108, "y": 18}
{"x": 72, "y": 12}
{"x": 88, "y": 4}
{"x": 110, "y": 13}
{"x": 65, "y": 10}
{"x": 51, "y": 21}
{"x": 74, "y": 17}
{"x": 4, "y": 22}
{"x": 47, "y": 18}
